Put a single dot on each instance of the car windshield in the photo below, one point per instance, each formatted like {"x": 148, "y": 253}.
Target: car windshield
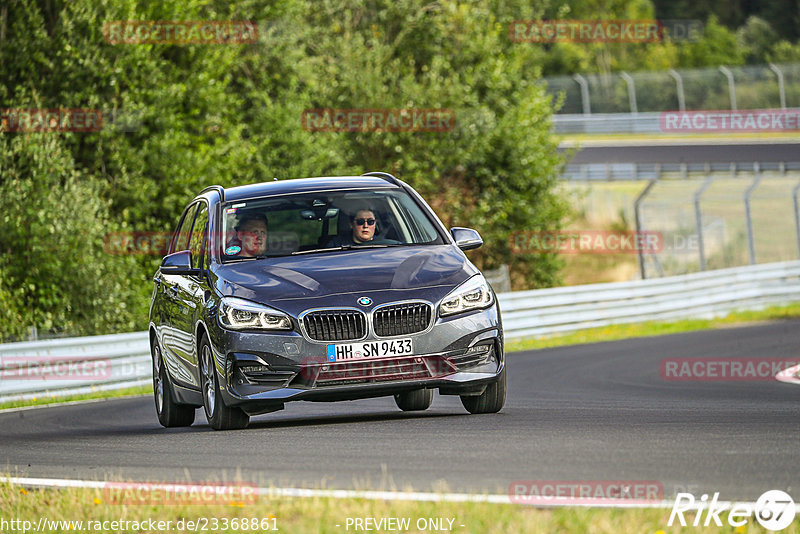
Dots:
{"x": 321, "y": 222}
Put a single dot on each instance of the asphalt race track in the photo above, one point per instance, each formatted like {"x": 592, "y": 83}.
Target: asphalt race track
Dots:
{"x": 667, "y": 152}
{"x": 591, "y": 412}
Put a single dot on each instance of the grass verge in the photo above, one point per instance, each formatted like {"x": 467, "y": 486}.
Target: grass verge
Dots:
{"x": 93, "y": 508}
{"x": 45, "y": 398}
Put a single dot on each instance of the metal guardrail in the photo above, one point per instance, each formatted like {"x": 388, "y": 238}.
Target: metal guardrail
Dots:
{"x": 73, "y": 366}
{"x": 615, "y": 123}
{"x": 614, "y": 172}
{"x": 696, "y": 295}
{"x": 607, "y": 123}
{"x": 122, "y": 360}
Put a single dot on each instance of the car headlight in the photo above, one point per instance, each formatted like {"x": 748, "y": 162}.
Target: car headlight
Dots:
{"x": 239, "y": 314}
{"x": 473, "y": 294}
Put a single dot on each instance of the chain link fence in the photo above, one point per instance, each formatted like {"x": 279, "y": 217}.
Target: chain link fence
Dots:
{"x": 770, "y": 86}
{"x": 708, "y": 219}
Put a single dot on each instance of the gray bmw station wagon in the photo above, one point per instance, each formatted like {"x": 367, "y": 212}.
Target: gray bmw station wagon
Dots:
{"x": 320, "y": 289}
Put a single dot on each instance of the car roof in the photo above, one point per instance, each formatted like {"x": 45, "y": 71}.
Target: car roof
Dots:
{"x": 304, "y": 185}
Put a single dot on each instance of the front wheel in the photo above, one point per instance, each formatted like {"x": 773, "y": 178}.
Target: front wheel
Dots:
{"x": 491, "y": 400}
{"x": 412, "y": 401}
{"x": 219, "y": 416}
{"x": 170, "y": 413}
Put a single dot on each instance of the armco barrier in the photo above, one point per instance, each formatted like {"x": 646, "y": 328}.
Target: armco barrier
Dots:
{"x": 75, "y": 365}
{"x": 696, "y": 295}
{"x": 122, "y": 360}
{"x": 628, "y": 123}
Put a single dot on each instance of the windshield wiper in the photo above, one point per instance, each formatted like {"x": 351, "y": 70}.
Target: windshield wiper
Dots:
{"x": 341, "y": 247}
{"x": 239, "y": 258}
{"x": 329, "y": 249}
{"x": 264, "y": 257}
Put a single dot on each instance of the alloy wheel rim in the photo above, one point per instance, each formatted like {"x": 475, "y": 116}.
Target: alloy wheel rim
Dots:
{"x": 208, "y": 383}
{"x": 157, "y": 382}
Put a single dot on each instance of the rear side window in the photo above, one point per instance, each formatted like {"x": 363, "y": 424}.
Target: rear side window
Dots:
{"x": 196, "y": 242}
{"x": 184, "y": 230}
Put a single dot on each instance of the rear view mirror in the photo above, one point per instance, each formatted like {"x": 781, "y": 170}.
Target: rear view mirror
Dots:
{"x": 319, "y": 214}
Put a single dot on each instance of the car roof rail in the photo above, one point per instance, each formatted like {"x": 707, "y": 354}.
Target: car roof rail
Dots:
{"x": 218, "y": 188}
{"x": 385, "y": 175}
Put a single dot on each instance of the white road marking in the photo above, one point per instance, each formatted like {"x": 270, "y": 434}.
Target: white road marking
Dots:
{"x": 790, "y": 375}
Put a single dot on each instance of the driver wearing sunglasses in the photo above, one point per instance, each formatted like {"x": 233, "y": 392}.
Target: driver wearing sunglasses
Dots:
{"x": 363, "y": 225}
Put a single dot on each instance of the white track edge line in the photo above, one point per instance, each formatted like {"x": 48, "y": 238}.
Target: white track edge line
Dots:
{"x": 790, "y": 375}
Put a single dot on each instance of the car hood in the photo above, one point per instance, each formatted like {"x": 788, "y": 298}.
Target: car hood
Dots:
{"x": 369, "y": 272}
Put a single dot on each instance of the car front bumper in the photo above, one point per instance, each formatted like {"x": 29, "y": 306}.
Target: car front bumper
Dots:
{"x": 260, "y": 372}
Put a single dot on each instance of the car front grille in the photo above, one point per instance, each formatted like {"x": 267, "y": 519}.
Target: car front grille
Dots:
{"x": 401, "y": 319}
{"x": 389, "y": 370}
{"x": 335, "y": 325}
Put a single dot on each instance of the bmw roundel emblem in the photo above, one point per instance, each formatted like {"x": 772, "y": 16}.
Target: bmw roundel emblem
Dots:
{"x": 365, "y": 301}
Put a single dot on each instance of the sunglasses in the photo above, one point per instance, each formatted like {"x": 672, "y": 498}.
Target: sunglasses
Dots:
{"x": 360, "y": 221}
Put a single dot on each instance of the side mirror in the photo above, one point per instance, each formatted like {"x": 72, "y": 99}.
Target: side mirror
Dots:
{"x": 466, "y": 238}
{"x": 178, "y": 263}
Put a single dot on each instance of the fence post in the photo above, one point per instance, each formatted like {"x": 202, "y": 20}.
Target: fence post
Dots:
{"x": 731, "y": 86}
{"x": 679, "y": 85}
{"x": 698, "y": 215}
{"x": 631, "y": 91}
{"x": 750, "y": 240}
{"x": 587, "y": 110}
{"x": 781, "y": 87}
{"x": 639, "y": 225}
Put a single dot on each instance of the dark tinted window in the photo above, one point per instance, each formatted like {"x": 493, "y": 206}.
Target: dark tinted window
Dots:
{"x": 184, "y": 230}
{"x": 199, "y": 230}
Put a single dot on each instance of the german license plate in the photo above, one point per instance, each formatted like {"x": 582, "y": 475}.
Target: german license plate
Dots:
{"x": 344, "y": 352}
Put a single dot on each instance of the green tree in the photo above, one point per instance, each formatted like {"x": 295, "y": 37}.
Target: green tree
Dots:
{"x": 55, "y": 271}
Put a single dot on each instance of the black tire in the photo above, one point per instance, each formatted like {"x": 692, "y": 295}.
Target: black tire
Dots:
{"x": 491, "y": 400}
{"x": 170, "y": 413}
{"x": 413, "y": 401}
{"x": 219, "y": 416}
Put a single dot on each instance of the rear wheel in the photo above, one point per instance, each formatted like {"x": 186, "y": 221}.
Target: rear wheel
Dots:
{"x": 170, "y": 413}
{"x": 219, "y": 416}
{"x": 491, "y": 400}
{"x": 412, "y": 401}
